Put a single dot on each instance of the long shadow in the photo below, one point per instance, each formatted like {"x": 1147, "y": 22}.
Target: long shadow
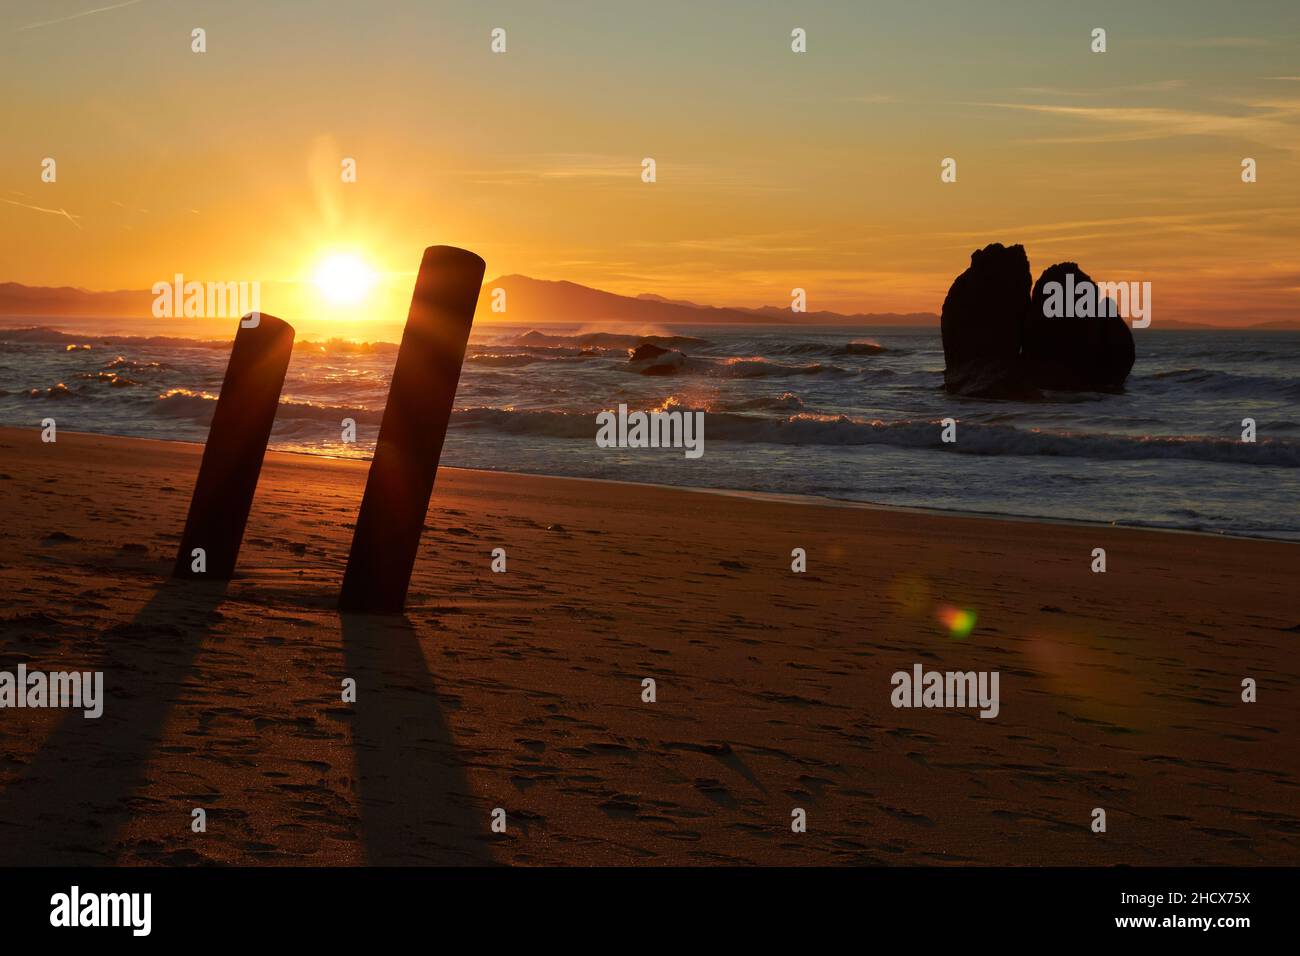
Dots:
{"x": 416, "y": 804}
{"x": 70, "y": 803}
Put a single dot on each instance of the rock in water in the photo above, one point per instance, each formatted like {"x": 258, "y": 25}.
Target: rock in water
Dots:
{"x": 990, "y": 378}
{"x": 646, "y": 351}
{"x": 982, "y": 321}
{"x": 1001, "y": 341}
{"x": 1071, "y": 352}
{"x": 650, "y": 359}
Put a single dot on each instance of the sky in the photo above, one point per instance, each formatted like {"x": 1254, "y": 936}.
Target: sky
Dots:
{"x": 774, "y": 169}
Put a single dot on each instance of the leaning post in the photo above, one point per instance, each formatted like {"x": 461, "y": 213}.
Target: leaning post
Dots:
{"x": 412, "y": 432}
{"x": 232, "y": 457}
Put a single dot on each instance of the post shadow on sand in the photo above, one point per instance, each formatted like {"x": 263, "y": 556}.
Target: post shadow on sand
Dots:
{"x": 415, "y": 801}
{"x": 69, "y": 804}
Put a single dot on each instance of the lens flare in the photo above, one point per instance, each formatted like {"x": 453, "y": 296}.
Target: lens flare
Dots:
{"x": 959, "y": 621}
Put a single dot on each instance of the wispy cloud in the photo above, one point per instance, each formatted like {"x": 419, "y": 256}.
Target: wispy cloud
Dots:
{"x": 748, "y": 246}
{"x": 1110, "y": 223}
{"x": 559, "y": 166}
{"x": 1273, "y": 124}
{"x": 78, "y": 16}
{"x": 588, "y": 166}
{"x": 592, "y": 169}
{"x": 1256, "y": 222}
{"x": 53, "y": 212}
{"x": 1225, "y": 43}
{"x": 122, "y": 205}
{"x": 1158, "y": 86}
{"x": 870, "y": 98}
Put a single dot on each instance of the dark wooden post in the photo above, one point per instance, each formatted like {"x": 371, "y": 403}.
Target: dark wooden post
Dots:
{"x": 232, "y": 457}
{"x": 411, "y": 434}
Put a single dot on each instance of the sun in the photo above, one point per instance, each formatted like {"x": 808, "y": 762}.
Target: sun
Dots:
{"x": 343, "y": 278}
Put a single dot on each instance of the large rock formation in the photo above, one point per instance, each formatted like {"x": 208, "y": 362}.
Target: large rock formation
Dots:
{"x": 981, "y": 323}
{"x": 1001, "y": 341}
{"x": 1071, "y": 351}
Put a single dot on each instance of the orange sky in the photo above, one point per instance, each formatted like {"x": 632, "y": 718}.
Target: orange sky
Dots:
{"x": 775, "y": 169}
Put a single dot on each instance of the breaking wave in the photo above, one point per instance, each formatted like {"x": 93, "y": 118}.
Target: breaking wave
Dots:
{"x": 806, "y": 428}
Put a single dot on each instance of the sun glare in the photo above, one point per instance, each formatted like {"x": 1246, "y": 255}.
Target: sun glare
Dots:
{"x": 343, "y": 278}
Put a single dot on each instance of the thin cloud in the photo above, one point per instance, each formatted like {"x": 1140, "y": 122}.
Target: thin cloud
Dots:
{"x": 589, "y": 166}
{"x": 1159, "y": 86}
{"x": 78, "y": 16}
{"x": 1225, "y": 43}
{"x": 1126, "y": 222}
{"x": 595, "y": 168}
{"x": 759, "y": 246}
{"x": 1134, "y": 123}
{"x": 53, "y": 212}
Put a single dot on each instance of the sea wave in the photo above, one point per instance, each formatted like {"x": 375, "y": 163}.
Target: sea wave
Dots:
{"x": 856, "y": 347}
{"x": 528, "y": 355}
{"x": 755, "y": 366}
{"x": 807, "y": 428}
{"x": 614, "y": 341}
{"x": 122, "y": 364}
{"x": 337, "y": 346}
{"x": 44, "y": 335}
{"x": 198, "y": 407}
{"x": 1215, "y": 382}
{"x": 786, "y": 401}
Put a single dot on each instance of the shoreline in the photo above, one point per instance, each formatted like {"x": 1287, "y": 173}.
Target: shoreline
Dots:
{"x": 788, "y": 498}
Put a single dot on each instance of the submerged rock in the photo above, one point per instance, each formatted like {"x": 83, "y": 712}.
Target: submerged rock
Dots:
{"x": 991, "y": 378}
{"x": 650, "y": 359}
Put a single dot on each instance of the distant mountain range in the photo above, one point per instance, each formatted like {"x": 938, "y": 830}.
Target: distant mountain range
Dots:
{"x": 40, "y": 301}
{"x": 532, "y": 301}
{"x": 528, "y": 301}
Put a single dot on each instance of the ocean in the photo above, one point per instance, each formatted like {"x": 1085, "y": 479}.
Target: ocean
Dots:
{"x": 843, "y": 414}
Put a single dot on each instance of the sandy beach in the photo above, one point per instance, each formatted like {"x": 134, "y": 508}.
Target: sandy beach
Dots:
{"x": 523, "y": 690}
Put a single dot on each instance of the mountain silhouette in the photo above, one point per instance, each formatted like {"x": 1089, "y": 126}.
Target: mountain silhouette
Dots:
{"x": 528, "y": 301}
